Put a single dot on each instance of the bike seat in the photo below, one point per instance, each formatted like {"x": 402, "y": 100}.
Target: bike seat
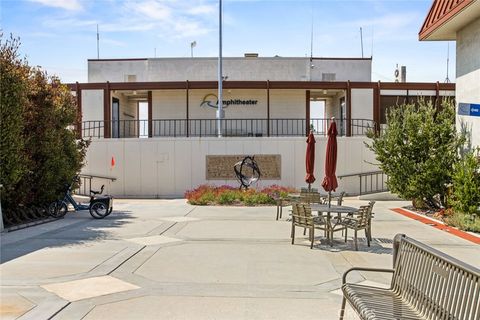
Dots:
{"x": 97, "y": 192}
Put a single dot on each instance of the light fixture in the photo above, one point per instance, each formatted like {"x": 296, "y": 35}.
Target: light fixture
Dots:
{"x": 325, "y": 91}
{"x": 134, "y": 92}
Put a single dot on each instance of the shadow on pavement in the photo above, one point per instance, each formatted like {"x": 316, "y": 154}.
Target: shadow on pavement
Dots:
{"x": 60, "y": 234}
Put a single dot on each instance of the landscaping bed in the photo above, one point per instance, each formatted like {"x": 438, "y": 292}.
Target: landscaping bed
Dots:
{"x": 470, "y": 223}
{"x": 227, "y": 195}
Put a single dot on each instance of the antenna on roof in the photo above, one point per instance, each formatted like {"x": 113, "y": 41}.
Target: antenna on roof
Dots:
{"x": 361, "y": 39}
{"x": 371, "y": 51}
{"x": 98, "y": 44}
{"x": 447, "y": 80}
{"x": 311, "y": 38}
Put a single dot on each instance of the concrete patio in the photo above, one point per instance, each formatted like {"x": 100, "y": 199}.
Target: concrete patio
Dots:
{"x": 165, "y": 259}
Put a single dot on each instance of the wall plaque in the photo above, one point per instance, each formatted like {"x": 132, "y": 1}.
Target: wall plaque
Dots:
{"x": 220, "y": 167}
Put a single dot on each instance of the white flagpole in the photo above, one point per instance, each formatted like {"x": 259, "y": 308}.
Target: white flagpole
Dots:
{"x": 220, "y": 75}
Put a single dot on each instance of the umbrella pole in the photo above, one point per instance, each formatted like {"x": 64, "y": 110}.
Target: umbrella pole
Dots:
{"x": 329, "y": 198}
{"x": 309, "y": 187}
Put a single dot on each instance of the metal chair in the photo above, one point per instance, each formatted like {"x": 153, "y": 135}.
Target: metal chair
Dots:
{"x": 302, "y": 217}
{"x": 359, "y": 221}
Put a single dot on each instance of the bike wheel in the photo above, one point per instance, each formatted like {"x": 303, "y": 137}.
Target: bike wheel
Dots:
{"x": 57, "y": 209}
{"x": 98, "y": 210}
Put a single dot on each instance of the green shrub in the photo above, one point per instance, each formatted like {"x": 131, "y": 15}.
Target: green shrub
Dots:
{"x": 417, "y": 150}
{"x": 227, "y": 197}
{"x": 39, "y": 152}
{"x": 206, "y": 198}
{"x": 464, "y": 221}
{"x": 466, "y": 185}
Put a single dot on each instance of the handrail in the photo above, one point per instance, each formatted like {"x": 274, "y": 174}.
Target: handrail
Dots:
{"x": 253, "y": 127}
{"x": 370, "y": 182}
{"x": 82, "y": 175}
{"x": 359, "y": 174}
{"x": 89, "y": 177}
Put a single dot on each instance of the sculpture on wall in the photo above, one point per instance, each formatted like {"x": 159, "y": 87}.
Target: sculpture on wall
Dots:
{"x": 247, "y": 172}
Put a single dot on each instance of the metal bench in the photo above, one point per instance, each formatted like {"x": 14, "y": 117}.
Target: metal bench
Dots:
{"x": 426, "y": 284}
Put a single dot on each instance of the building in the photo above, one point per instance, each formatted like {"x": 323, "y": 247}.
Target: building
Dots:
{"x": 459, "y": 20}
{"x": 157, "y": 118}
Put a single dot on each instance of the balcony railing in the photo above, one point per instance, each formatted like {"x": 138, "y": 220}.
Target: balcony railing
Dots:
{"x": 230, "y": 127}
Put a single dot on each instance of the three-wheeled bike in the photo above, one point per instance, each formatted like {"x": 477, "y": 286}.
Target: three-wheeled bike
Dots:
{"x": 99, "y": 207}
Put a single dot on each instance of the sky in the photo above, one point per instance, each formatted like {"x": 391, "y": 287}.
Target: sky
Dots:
{"x": 60, "y": 35}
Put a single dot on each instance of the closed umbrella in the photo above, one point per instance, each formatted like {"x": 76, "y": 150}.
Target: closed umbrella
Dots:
{"x": 330, "y": 181}
{"x": 310, "y": 160}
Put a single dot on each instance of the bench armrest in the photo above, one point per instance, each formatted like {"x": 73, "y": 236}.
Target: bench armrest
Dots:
{"x": 344, "y": 277}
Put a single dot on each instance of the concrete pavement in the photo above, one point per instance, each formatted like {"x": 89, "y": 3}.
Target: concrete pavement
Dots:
{"x": 165, "y": 259}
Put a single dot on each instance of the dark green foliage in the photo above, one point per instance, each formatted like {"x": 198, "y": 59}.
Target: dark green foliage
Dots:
{"x": 39, "y": 151}
{"x": 466, "y": 185}
{"x": 14, "y": 73}
{"x": 418, "y": 149}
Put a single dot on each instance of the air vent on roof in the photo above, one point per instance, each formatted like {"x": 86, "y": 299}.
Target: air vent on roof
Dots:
{"x": 328, "y": 76}
{"x": 251, "y": 55}
{"x": 130, "y": 78}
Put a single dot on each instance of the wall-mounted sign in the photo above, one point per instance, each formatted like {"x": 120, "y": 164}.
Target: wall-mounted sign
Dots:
{"x": 469, "y": 109}
{"x": 211, "y": 101}
{"x": 220, "y": 167}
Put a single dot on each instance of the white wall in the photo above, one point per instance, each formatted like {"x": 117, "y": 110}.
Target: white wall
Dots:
{"x": 115, "y": 71}
{"x": 362, "y": 104}
{"x": 162, "y": 167}
{"x": 92, "y": 105}
{"x": 237, "y": 68}
{"x": 353, "y": 70}
{"x": 468, "y": 76}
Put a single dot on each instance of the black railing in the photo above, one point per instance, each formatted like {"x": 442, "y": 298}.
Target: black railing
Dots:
{"x": 370, "y": 182}
{"x": 230, "y": 127}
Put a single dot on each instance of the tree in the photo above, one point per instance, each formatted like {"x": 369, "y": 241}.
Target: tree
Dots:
{"x": 14, "y": 77}
{"x": 466, "y": 183}
{"x": 417, "y": 150}
{"x": 39, "y": 151}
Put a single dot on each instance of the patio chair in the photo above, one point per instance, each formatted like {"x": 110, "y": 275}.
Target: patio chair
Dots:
{"x": 370, "y": 216}
{"x": 310, "y": 197}
{"x": 359, "y": 221}
{"x": 302, "y": 217}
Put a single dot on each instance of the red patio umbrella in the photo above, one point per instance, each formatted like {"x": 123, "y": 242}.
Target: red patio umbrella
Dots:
{"x": 330, "y": 181}
{"x": 310, "y": 159}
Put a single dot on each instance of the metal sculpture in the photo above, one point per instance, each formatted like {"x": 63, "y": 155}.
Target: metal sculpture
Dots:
{"x": 247, "y": 172}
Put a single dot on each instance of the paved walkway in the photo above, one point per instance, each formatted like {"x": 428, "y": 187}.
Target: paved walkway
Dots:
{"x": 164, "y": 259}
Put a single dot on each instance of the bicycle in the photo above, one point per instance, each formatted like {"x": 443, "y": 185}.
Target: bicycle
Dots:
{"x": 99, "y": 206}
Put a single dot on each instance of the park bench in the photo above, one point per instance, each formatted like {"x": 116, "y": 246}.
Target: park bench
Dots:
{"x": 426, "y": 284}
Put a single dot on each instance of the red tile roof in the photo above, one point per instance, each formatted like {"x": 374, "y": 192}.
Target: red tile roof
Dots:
{"x": 440, "y": 12}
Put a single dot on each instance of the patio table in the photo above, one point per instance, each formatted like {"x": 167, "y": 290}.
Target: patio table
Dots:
{"x": 319, "y": 208}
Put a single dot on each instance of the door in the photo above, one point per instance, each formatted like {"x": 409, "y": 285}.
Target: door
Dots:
{"x": 115, "y": 118}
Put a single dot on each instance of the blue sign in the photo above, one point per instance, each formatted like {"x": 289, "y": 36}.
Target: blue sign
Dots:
{"x": 469, "y": 109}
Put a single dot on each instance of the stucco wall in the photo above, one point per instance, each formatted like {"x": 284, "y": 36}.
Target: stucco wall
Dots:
{"x": 239, "y": 68}
{"x": 468, "y": 76}
{"x": 362, "y": 103}
{"x": 161, "y": 167}
{"x": 92, "y": 105}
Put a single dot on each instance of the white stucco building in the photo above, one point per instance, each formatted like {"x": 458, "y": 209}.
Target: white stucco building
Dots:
{"x": 460, "y": 21}
{"x": 156, "y": 117}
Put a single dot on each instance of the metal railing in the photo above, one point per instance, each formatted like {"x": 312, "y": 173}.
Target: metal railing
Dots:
{"x": 86, "y": 181}
{"x": 369, "y": 182}
{"x": 231, "y": 127}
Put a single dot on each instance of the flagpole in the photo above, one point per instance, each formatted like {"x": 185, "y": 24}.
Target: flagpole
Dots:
{"x": 220, "y": 74}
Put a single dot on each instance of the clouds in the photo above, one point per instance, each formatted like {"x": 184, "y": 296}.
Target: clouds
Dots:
{"x": 70, "y": 5}
{"x": 178, "y": 19}
{"x": 166, "y": 18}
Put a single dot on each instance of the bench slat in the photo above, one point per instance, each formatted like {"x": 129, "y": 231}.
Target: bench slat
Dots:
{"x": 426, "y": 284}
